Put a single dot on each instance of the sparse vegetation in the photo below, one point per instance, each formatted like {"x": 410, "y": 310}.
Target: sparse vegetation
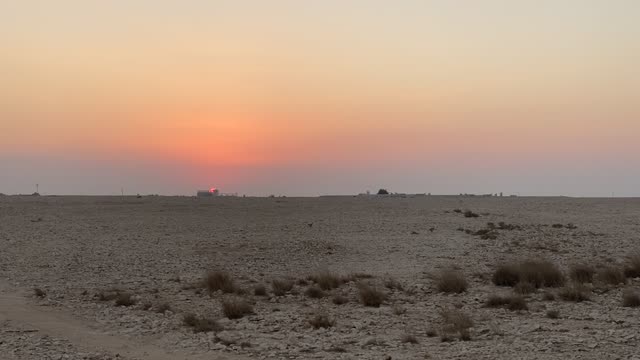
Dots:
{"x": 260, "y": 290}
{"x": 220, "y": 281}
{"x": 321, "y": 321}
{"x": 383, "y": 192}
{"x": 393, "y": 284}
{"x": 326, "y": 280}
{"x": 510, "y": 302}
{"x": 163, "y": 308}
{"x": 470, "y": 214}
{"x": 524, "y": 288}
{"x": 632, "y": 268}
{"x": 200, "y": 324}
{"x": 582, "y": 273}
{"x": 339, "y": 300}
{"x": 39, "y": 293}
{"x": 399, "y": 310}
{"x": 281, "y": 286}
{"x": 553, "y": 314}
{"x": 314, "y": 292}
{"x": 548, "y": 296}
{"x": 409, "y": 339}
{"x": 539, "y": 273}
{"x": 236, "y": 307}
{"x": 574, "y": 292}
{"x": 452, "y": 281}
{"x": 611, "y": 275}
{"x": 371, "y": 296}
{"x": 125, "y": 299}
{"x": 630, "y": 298}
{"x": 455, "y": 321}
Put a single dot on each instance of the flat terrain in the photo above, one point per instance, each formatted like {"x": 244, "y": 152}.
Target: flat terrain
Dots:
{"x": 83, "y": 253}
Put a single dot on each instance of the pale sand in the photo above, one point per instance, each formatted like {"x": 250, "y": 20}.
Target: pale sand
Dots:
{"x": 85, "y": 245}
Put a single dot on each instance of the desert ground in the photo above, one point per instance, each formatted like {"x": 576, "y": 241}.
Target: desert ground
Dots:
{"x": 319, "y": 278}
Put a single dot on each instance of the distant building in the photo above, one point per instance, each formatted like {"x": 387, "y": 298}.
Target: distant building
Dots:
{"x": 208, "y": 193}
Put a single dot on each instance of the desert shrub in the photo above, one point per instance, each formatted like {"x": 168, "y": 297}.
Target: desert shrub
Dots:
{"x": 611, "y": 275}
{"x": 162, "y": 308}
{"x": 39, "y": 292}
{"x": 393, "y": 284}
{"x": 548, "y": 296}
{"x": 574, "y": 292}
{"x": 455, "y": 321}
{"x": 314, "y": 292}
{"x": 326, "y": 280}
{"x": 524, "y": 288}
{"x": 409, "y": 339}
{"x": 582, "y": 273}
{"x": 630, "y": 299}
{"x": 398, "y": 310}
{"x": 200, "y": 324}
{"x": 510, "y": 302}
{"x": 538, "y": 273}
{"x": 321, "y": 321}
{"x": 260, "y": 290}
{"x": 383, "y": 192}
{"x": 220, "y": 281}
{"x": 339, "y": 300}
{"x": 371, "y": 296}
{"x": 125, "y": 299}
{"x": 470, "y": 214}
{"x": 632, "y": 268}
{"x": 553, "y": 314}
{"x": 452, "y": 281}
{"x": 557, "y": 226}
{"x": 147, "y": 306}
{"x": 431, "y": 332}
{"x": 236, "y": 308}
{"x": 281, "y": 286}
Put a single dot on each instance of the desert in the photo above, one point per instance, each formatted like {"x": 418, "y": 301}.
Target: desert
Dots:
{"x": 362, "y": 277}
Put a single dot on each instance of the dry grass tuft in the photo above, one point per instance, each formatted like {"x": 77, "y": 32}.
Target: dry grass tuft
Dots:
{"x": 612, "y": 276}
{"x": 163, "y": 308}
{"x": 524, "y": 288}
{"x": 326, "y": 280}
{"x": 553, "y": 314}
{"x": 281, "y": 286}
{"x": 236, "y": 307}
{"x": 470, "y": 214}
{"x": 539, "y": 273}
{"x": 582, "y": 273}
{"x": 314, "y": 292}
{"x": 630, "y": 299}
{"x": 399, "y": 310}
{"x": 393, "y": 284}
{"x": 39, "y": 293}
{"x": 548, "y": 296}
{"x": 452, "y": 281}
{"x": 220, "y": 281}
{"x": 339, "y": 300}
{"x": 574, "y": 292}
{"x": 260, "y": 290}
{"x": 455, "y": 321}
{"x": 371, "y": 296}
{"x": 409, "y": 339}
{"x": 125, "y": 299}
{"x": 321, "y": 321}
{"x": 510, "y": 302}
{"x": 632, "y": 268}
{"x": 200, "y": 324}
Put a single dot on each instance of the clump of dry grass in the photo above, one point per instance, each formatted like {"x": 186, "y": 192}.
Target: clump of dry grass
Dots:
{"x": 321, "y": 320}
{"x": 553, "y": 314}
{"x": 340, "y": 300}
{"x": 220, "y": 281}
{"x": 630, "y": 298}
{"x": 260, "y": 290}
{"x": 393, "y": 284}
{"x": 455, "y": 321}
{"x": 632, "y": 268}
{"x": 281, "y": 286}
{"x": 470, "y": 214}
{"x": 125, "y": 299}
{"x": 524, "y": 288}
{"x": 108, "y": 295}
{"x": 314, "y": 292}
{"x": 611, "y": 275}
{"x": 39, "y": 293}
{"x": 236, "y": 307}
{"x": 398, "y": 310}
{"x": 452, "y": 281}
{"x": 371, "y": 296}
{"x": 326, "y": 280}
{"x": 163, "y": 308}
{"x": 201, "y": 324}
{"x": 582, "y": 273}
{"x": 409, "y": 339}
{"x": 539, "y": 273}
{"x": 548, "y": 296}
{"x": 510, "y": 302}
{"x": 574, "y": 292}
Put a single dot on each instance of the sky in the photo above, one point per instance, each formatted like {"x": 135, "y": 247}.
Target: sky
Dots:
{"x": 305, "y": 98}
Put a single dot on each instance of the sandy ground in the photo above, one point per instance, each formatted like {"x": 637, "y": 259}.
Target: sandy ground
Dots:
{"x": 157, "y": 248}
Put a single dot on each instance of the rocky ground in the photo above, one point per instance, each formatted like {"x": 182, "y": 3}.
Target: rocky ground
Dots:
{"x": 82, "y": 251}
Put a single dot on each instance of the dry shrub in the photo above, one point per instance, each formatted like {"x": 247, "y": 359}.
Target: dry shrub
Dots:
{"x": 125, "y": 299}
{"x": 200, "y": 324}
{"x": 632, "y": 268}
{"x": 39, "y": 292}
{"x": 574, "y": 292}
{"x": 321, "y": 321}
{"x": 281, "y": 286}
{"x": 371, "y": 296}
{"x": 553, "y": 314}
{"x": 314, "y": 292}
{"x": 409, "y": 339}
{"x": 340, "y": 300}
{"x": 399, "y": 310}
{"x": 548, "y": 296}
{"x": 109, "y": 295}
{"x": 510, "y": 302}
{"x": 393, "y": 284}
{"x": 260, "y": 290}
{"x": 455, "y": 321}
{"x": 539, "y": 273}
{"x": 612, "y": 276}
{"x": 582, "y": 273}
{"x": 630, "y": 299}
{"x": 163, "y": 308}
{"x": 220, "y": 281}
{"x": 326, "y": 280}
{"x": 470, "y": 214}
{"x": 452, "y": 281}
{"x": 524, "y": 288}
{"x": 236, "y": 308}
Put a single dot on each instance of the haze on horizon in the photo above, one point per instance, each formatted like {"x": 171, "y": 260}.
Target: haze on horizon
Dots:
{"x": 332, "y": 97}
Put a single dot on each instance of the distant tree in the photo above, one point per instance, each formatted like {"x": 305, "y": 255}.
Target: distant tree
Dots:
{"x": 383, "y": 192}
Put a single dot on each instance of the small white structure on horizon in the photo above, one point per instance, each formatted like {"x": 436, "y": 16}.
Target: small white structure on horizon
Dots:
{"x": 208, "y": 193}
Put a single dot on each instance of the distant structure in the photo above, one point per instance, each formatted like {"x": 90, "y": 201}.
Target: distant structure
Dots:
{"x": 208, "y": 193}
